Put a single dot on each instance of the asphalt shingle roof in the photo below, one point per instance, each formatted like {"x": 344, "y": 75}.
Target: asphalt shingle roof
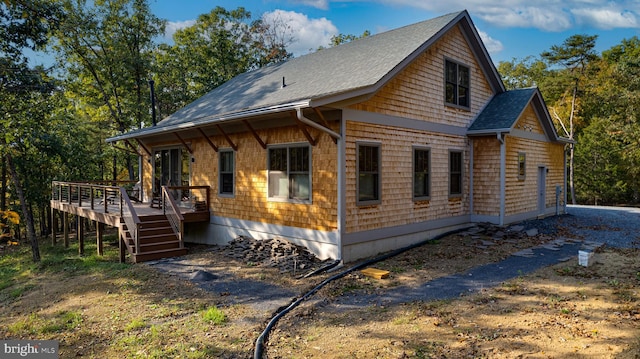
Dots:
{"x": 355, "y": 65}
{"x": 503, "y": 110}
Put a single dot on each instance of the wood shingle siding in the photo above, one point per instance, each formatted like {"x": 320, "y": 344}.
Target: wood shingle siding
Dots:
{"x": 486, "y": 176}
{"x": 418, "y": 91}
{"x": 397, "y": 206}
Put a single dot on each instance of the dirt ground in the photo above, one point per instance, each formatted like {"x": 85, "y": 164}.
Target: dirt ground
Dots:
{"x": 562, "y": 311}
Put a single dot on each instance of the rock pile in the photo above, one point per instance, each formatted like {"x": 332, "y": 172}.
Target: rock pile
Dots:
{"x": 276, "y": 252}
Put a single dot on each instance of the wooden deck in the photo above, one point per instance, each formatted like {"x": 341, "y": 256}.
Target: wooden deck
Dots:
{"x": 147, "y": 231}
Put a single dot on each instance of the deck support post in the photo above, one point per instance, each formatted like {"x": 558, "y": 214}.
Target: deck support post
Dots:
{"x": 122, "y": 246}
{"x": 80, "y": 234}
{"x": 54, "y": 225}
{"x": 99, "y": 236}
{"x": 65, "y": 219}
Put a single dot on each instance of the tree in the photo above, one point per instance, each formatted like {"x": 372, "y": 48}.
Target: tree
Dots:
{"x": 106, "y": 47}
{"x": 574, "y": 55}
{"x": 344, "y": 38}
{"x": 23, "y": 24}
{"x": 219, "y": 46}
{"x": 528, "y": 72}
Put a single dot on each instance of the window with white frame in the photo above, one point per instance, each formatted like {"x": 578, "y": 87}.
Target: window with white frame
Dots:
{"x": 368, "y": 173}
{"x": 289, "y": 173}
{"x": 421, "y": 173}
{"x": 226, "y": 170}
{"x": 456, "y": 84}
{"x": 455, "y": 173}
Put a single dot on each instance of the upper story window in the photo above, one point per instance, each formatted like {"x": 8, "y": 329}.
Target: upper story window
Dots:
{"x": 289, "y": 173}
{"x": 368, "y": 173}
{"x": 226, "y": 172}
{"x": 456, "y": 84}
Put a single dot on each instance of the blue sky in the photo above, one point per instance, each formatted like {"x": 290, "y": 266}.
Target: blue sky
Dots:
{"x": 509, "y": 28}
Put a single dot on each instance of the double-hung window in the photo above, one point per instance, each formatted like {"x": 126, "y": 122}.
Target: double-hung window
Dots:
{"x": 226, "y": 169}
{"x": 368, "y": 165}
{"x": 289, "y": 173}
{"x": 456, "y": 84}
{"x": 455, "y": 173}
{"x": 421, "y": 173}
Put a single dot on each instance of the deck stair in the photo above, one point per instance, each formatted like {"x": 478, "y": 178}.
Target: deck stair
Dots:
{"x": 157, "y": 240}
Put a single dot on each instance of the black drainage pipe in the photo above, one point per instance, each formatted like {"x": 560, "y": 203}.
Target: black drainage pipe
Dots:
{"x": 259, "y": 348}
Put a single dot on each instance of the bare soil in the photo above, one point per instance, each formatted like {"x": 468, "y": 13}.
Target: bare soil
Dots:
{"x": 562, "y": 311}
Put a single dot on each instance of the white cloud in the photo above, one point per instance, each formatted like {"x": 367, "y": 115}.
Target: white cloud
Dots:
{"x": 546, "y": 15}
{"x": 320, "y": 4}
{"x": 308, "y": 34}
{"x": 607, "y": 18}
{"x": 173, "y": 26}
{"x": 493, "y": 46}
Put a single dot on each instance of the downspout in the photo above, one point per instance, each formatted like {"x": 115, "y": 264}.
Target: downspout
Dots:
{"x": 471, "y": 178}
{"x": 503, "y": 160}
{"x": 340, "y": 171}
{"x": 564, "y": 167}
{"x": 307, "y": 121}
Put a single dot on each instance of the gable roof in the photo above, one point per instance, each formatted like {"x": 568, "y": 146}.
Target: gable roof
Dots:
{"x": 343, "y": 72}
{"x": 503, "y": 111}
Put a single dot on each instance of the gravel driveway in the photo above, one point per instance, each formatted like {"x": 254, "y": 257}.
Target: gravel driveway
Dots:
{"x": 589, "y": 227}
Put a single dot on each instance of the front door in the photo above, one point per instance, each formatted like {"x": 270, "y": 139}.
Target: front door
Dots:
{"x": 542, "y": 189}
{"x": 171, "y": 168}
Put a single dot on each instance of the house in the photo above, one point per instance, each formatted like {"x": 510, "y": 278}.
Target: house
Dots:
{"x": 362, "y": 148}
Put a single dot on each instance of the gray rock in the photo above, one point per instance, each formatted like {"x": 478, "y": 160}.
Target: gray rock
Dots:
{"x": 532, "y": 232}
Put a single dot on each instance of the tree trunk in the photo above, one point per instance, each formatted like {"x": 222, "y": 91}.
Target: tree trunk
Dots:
{"x": 31, "y": 230}
{"x": 3, "y": 189}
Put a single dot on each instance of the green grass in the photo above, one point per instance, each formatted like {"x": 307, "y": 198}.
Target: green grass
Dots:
{"x": 214, "y": 315}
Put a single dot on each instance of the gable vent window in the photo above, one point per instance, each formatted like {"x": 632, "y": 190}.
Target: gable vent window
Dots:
{"x": 456, "y": 84}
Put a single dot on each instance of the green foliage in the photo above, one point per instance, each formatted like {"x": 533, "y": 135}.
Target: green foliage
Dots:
{"x": 214, "y": 316}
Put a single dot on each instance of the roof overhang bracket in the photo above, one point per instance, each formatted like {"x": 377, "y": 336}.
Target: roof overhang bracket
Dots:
{"x": 215, "y": 148}
{"x": 135, "y": 150}
{"x": 255, "y": 134}
{"x": 125, "y": 149}
{"x": 233, "y": 145}
{"x": 324, "y": 122}
{"x": 303, "y": 128}
{"x": 184, "y": 143}
{"x": 143, "y": 147}
{"x": 300, "y": 117}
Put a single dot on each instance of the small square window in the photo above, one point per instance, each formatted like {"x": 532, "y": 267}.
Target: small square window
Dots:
{"x": 289, "y": 173}
{"x": 522, "y": 165}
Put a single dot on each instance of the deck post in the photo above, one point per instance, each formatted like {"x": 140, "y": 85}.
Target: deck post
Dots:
{"x": 53, "y": 226}
{"x": 99, "y": 235}
{"x": 123, "y": 250}
{"x": 65, "y": 219}
{"x": 80, "y": 234}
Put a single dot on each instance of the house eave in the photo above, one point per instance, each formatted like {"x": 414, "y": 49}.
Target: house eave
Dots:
{"x": 209, "y": 120}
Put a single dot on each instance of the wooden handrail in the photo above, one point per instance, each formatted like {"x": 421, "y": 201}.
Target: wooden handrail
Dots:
{"x": 130, "y": 217}
{"x": 175, "y": 217}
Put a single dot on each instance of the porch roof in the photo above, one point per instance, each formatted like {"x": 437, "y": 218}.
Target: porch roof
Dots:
{"x": 503, "y": 111}
{"x": 322, "y": 78}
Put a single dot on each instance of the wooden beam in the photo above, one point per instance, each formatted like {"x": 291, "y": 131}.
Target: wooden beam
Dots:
{"x": 324, "y": 122}
{"x": 99, "y": 237}
{"x": 215, "y": 148}
{"x": 255, "y": 134}
{"x": 184, "y": 143}
{"x": 132, "y": 147}
{"x": 233, "y": 145}
{"x": 124, "y": 149}
{"x": 144, "y": 147}
{"x": 303, "y": 128}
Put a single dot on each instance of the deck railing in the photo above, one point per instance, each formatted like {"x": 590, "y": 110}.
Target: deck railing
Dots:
{"x": 95, "y": 195}
{"x": 173, "y": 214}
